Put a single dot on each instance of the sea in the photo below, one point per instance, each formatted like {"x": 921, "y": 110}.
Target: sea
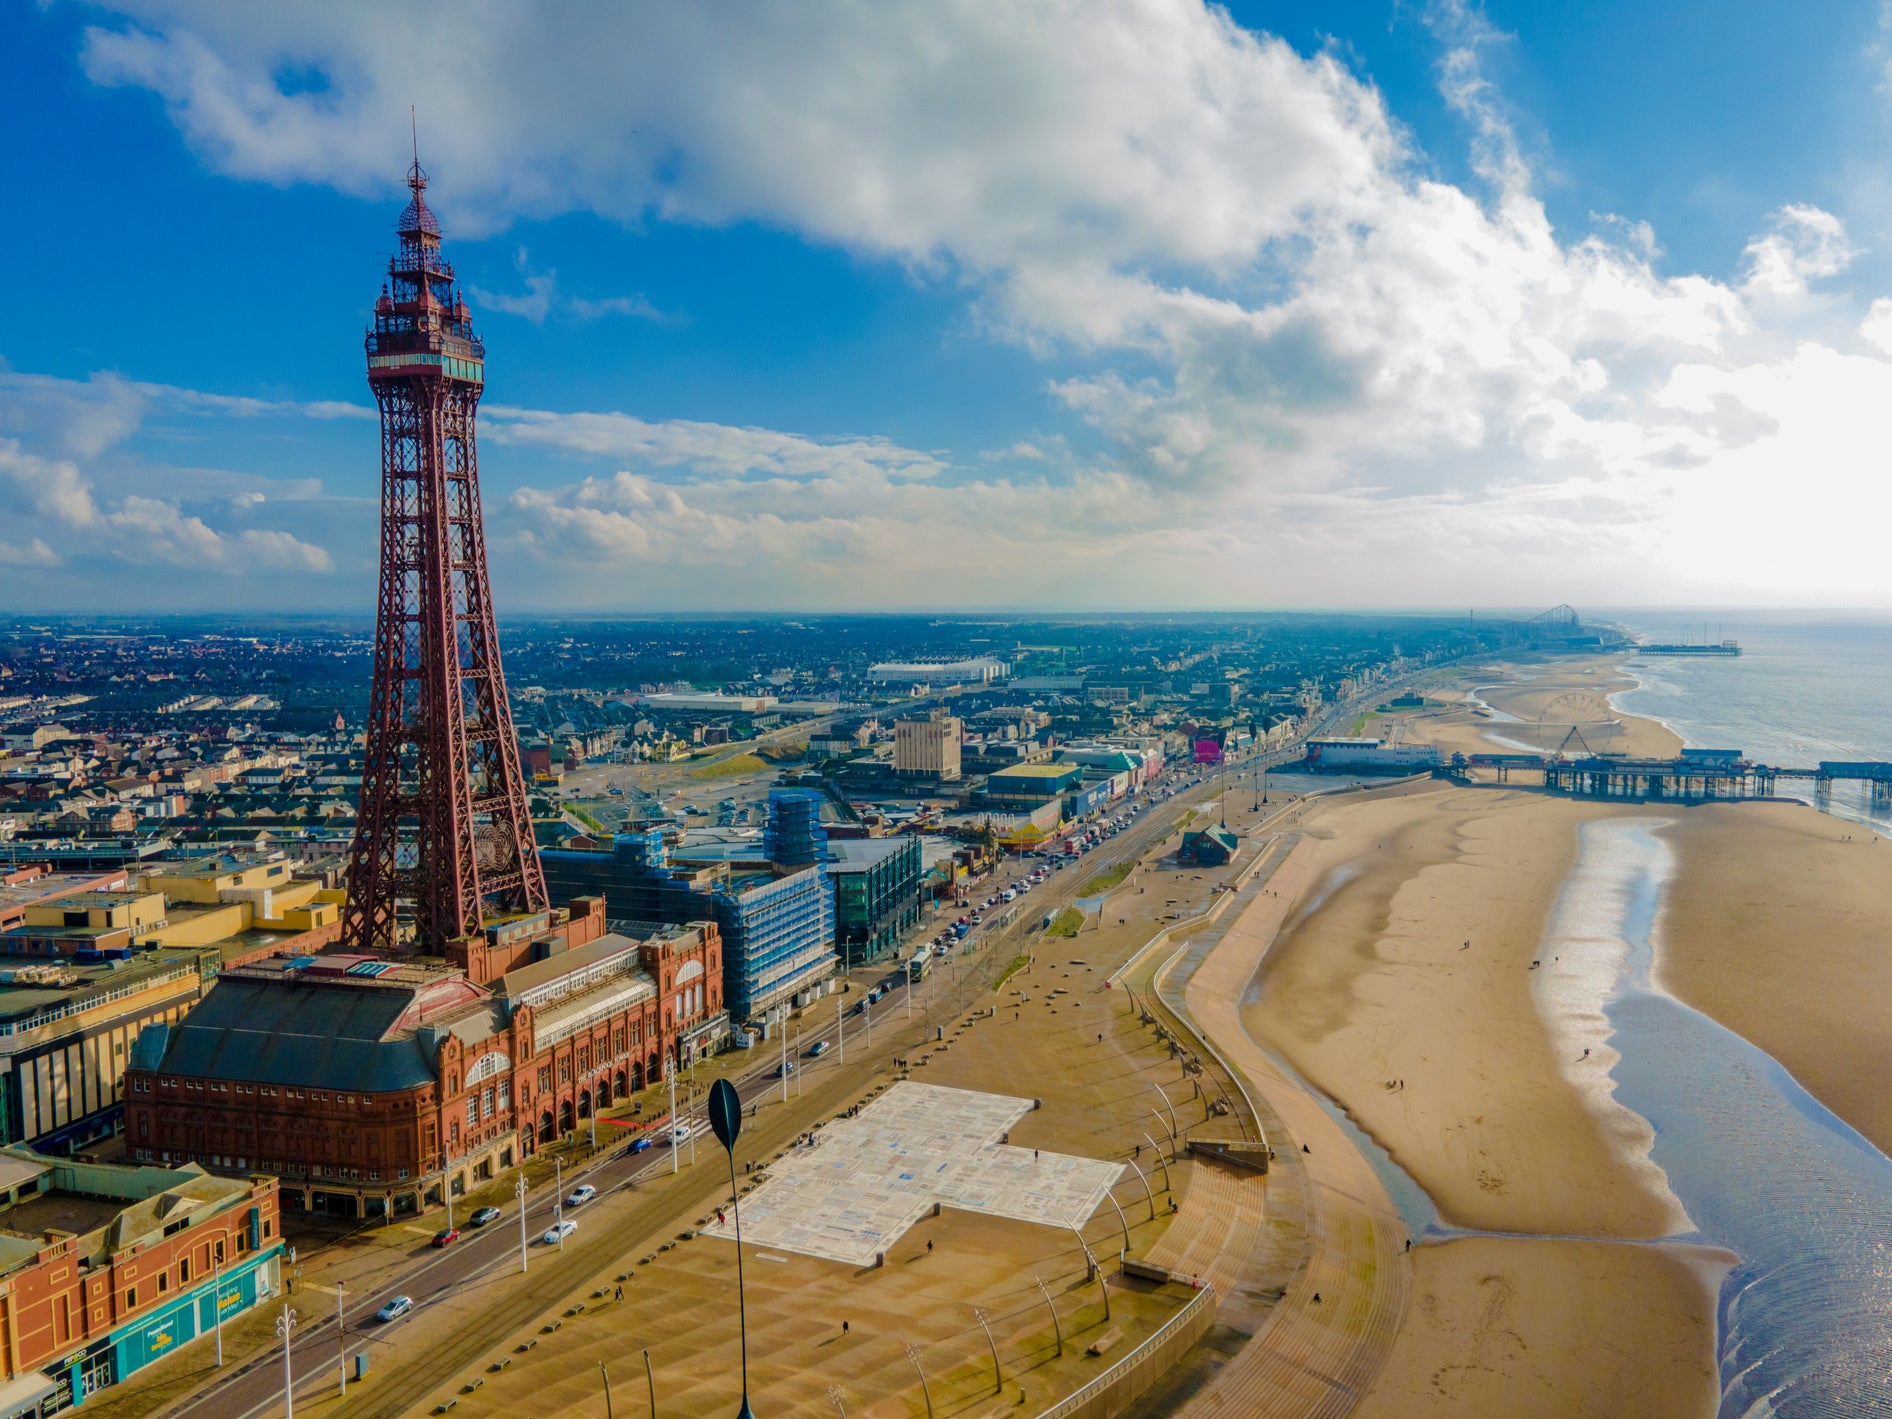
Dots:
{"x": 1807, "y": 686}
{"x": 1763, "y": 1168}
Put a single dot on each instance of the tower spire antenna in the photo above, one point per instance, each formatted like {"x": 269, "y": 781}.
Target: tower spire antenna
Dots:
{"x": 416, "y": 179}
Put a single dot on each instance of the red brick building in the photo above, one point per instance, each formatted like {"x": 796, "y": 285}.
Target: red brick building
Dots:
{"x": 105, "y": 1268}
{"x": 370, "y": 1085}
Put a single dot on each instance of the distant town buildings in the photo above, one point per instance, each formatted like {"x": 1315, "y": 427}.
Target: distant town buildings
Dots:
{"x": 978, "y": 670}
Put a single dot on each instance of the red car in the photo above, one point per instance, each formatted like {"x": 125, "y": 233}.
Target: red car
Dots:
{"x": 447, "y": 1238}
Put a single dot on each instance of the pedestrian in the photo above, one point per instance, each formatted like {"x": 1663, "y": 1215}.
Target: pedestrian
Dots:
{"x": 1317, "y": 1298}
{"x": 1034, "y": 1155}
{"x": 929, "y": 1246}
{"x": 620, "y": 1295}
{"x": 844, "y": 1327}
{"x": 1306, "y": 1149}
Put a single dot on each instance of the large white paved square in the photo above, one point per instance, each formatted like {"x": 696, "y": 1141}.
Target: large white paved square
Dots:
{"x": 871, "y": 1177}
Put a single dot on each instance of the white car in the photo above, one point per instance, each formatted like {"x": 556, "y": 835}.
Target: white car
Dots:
{"x": 395, "y": 1309}
{"x": 559, "y": 1231}
{"x": 581, "y": 1195}
{"x": 681, "y": 1133}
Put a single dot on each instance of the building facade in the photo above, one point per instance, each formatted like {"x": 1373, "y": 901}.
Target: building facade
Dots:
{"x": 876, "y": 894}
{"x": 105, "y": 1269}
{"x": 372, "y": 1085}
{"x": 928, "y": 748}
{"x": 776, "y": 919}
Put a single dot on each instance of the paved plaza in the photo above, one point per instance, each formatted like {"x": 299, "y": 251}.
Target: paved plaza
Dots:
{"x": 871, "y": 1177}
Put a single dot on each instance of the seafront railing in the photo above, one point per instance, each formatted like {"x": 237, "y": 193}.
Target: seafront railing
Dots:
{"x": 1136, "y": 1372}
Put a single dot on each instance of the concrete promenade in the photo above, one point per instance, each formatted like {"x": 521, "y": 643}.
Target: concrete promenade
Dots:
{"x": 1318, "y": 1350}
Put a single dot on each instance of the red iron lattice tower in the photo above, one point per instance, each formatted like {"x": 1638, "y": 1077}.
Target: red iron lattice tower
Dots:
{"x": 444, "y": 822}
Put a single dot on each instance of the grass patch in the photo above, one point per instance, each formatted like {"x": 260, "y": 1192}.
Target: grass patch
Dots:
{"x": 1018, "y": 964}
{"x": 734, "y": 766}
{"x": 1186, "y": 819}
{"x": 1068, "y": 922}
{"x": 582, "y": 816}
{"x": 1109, "y": 878}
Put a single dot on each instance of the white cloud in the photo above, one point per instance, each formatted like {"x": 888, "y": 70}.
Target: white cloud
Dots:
{"x": 717, "y": 449}
{"x": 1311, "y": 358}
{"x": 543, "y": 297}
{"x": 1802, "y": 244}
{"x": 56, "y": 438}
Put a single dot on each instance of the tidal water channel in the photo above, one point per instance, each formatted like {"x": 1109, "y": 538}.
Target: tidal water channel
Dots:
{"x": 1761, "y": 1166}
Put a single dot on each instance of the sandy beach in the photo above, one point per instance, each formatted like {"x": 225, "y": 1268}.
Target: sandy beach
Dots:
{"x": 1455, "y": 1058}
{"x": 1775, "y": 924}
{"x": 1545, "y": 700}
{"x": 1513, "y": 1329}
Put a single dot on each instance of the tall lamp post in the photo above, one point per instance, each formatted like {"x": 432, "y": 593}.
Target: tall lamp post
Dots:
{"x": 725, "y": 1116}
{"x": 285, "y": 1325}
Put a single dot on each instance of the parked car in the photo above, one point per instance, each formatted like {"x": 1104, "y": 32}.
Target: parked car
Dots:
{"x": 581, "y": 1195}
{"x": 558, "y": 1232}
{"x": 446, "y": 1237}
{"x": 483, "y": 1216}
{"x": 396, "y": 1307}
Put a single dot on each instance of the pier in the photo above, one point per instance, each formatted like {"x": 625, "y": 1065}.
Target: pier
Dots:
{"x": 1698, "y": 776}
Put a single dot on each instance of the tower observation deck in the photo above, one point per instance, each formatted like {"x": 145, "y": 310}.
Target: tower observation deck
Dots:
{"x": 444, "y": 829}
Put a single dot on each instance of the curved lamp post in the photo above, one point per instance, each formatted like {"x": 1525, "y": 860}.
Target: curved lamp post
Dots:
{"x": 725, "y": 1116}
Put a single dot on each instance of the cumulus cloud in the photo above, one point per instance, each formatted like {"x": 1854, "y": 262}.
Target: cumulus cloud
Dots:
{"x": 1802, "y": 244}
{"x": 58, "y": 436}
{"x": 1293, "y": 336}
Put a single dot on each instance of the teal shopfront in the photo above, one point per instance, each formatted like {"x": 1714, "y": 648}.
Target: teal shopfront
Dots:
{"x": 151, "y": 1337}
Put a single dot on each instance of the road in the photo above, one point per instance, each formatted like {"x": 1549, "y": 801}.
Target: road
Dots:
{"x": 253, "y": 1388}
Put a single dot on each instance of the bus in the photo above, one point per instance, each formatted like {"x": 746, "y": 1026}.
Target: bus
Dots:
{"x": 917, "y": 968}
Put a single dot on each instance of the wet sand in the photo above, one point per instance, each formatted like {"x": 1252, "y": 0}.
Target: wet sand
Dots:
{"x": 1773, "y": 923}
{"x": 1548, "y": 698}
{"x": 1777, "y": 925}
{"x": 1510, "y": 1329}
{"x": 1375, "y": 984}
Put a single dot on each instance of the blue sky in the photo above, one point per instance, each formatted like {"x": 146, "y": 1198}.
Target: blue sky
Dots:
{"x": 1114, "y": 305}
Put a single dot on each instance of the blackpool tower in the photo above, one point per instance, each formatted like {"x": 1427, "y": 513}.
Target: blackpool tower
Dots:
{"x": 444, "y": 829}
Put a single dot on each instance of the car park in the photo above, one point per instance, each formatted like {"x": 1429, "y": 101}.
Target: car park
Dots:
{"x": 396, "y": 1307}
{"x": 558, "y": 1231}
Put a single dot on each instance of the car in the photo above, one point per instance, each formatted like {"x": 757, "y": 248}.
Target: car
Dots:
{"x": 483, "y": 1216}
{"x": 559, "y": 1231}
{"x": 446, "y": 1237}
{"x": 817, "y": 1049}
{"x": 681, "y": 1133}
{"x": 581, "y": 1195}
{"x": 638, "y": 1145}
{"x": 782, "y": 1071}
{"x": 396, "y": 1307}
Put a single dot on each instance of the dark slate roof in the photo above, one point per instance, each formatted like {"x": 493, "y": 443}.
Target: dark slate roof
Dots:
{"x": 305, "y": 1036}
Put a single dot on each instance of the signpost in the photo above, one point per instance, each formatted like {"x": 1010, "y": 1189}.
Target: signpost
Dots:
{"x": 725, "y": 1116}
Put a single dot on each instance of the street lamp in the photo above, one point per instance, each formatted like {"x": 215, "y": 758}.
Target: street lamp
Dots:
{"x": 216, "y": 1307}
{"x": 998, "y": 1377}
{"x": 285, "y": 1324}
{"x": 913, "y": 1354}
{"x": 725, "y": 1116}
{"x": 519, "y": 1191}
